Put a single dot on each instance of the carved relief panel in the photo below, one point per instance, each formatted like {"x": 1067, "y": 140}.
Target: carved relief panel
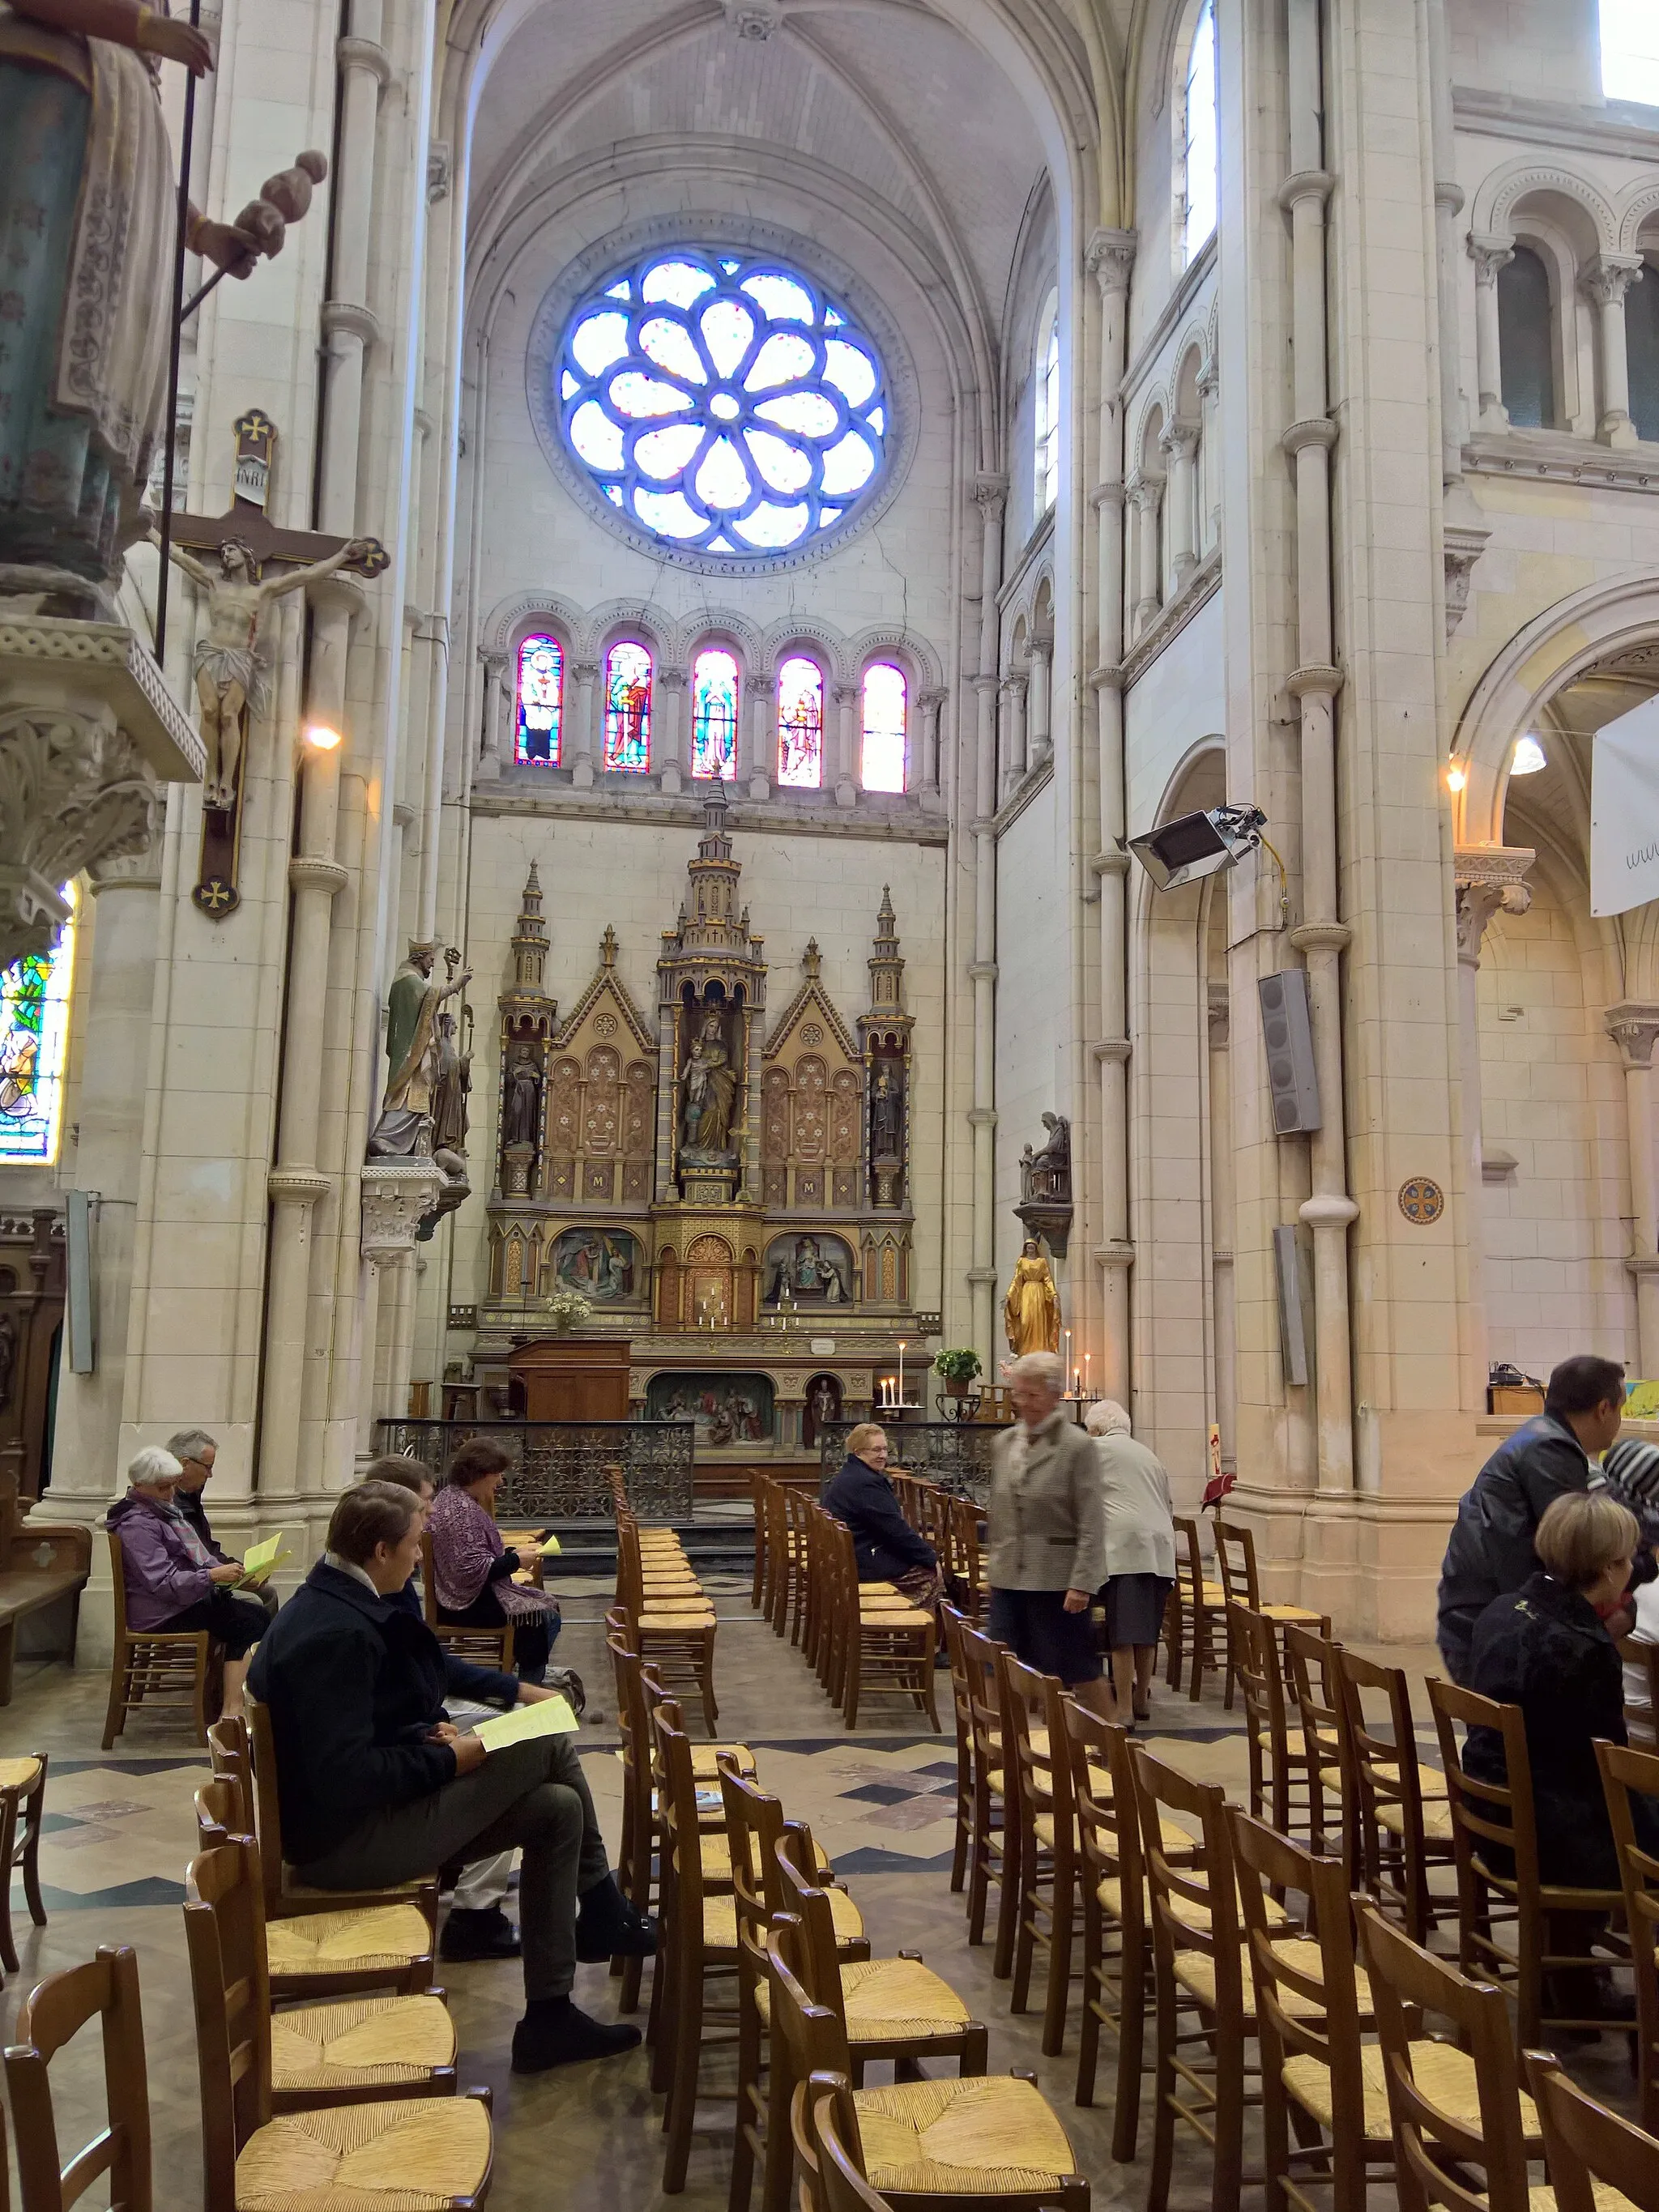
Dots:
{"x": 601, "y": 1088}
{"x": 811, "y": 1106}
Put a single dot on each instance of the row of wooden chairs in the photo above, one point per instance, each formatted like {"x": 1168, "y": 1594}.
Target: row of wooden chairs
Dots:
{"x": 862, "y": 1639}
{"x": 782, "y": 1519}
{"x": 1198, "y": 1630}
{"x": 671, "y": 1622}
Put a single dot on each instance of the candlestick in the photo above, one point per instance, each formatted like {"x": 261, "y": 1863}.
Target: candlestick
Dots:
{"x": 901, "y": 1372}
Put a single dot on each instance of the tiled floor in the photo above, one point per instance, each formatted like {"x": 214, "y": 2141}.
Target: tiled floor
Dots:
{"x": 121, "y": 1831}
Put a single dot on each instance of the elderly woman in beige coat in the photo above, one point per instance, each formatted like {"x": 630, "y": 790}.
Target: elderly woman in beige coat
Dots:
{"x": 1140, "y": 1558}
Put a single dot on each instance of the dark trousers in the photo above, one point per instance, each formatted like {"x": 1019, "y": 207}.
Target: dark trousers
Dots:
{"x": 238, "y": 1622}
{"x": 531, "y": 1796}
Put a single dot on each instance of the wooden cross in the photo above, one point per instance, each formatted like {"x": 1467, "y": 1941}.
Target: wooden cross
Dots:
{"x": 246, "y": 522}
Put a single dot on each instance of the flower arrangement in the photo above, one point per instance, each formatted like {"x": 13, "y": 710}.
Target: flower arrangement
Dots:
{"x": 569, "y": 1308}
{"x": 958, "y": 1368}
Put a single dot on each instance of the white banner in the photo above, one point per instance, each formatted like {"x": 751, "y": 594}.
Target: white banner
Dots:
{"x": 1625, "y": 811}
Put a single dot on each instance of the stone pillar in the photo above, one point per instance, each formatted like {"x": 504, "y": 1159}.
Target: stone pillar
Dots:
{"x": 847, "y": 698}
{"x": 1179, "y": 445}
{"x": 1222, "y": 1228}
{"x": 1489, "y": 255}
{"x": 1489, "y": 879}
{"x": 585, "y": 726}
{"x": 498, "y": 698}
{"x": 672, "y": 739}
{"x": 1605, "y": 283}
{"x": 396, "y": 1193}
{"x": 990, "y": 496}
{"x": 929, "y": 705}
{"x": 1634, "y": 1029}
{"x": 1209, "y": 492}
{"x": 1109, "y": 258}
{"x": 1447, "y": 206}
{"x": 1146, "y": 580}
{"x": 1039, "y": 711}
{"x": 762, "y": 734}
{"x": 1012, "y": 693}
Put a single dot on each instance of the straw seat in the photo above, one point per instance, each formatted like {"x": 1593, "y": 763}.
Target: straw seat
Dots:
{"x": 706, "y": 1759}
{"x": 379, "y": 1939}
{"x": 409, "y": 2158}
{"x": 989, "y": 2136}
{"x": 719, "y": 1921}
{"x": 357, "y": 2045}
{"x": 888, "y": 1999}
{"x": 1437, "y": 1818}
{"x": 18, "y": 1773}
{"x": 1444, "y": 2074}
{"x": 1183, "y": 1908}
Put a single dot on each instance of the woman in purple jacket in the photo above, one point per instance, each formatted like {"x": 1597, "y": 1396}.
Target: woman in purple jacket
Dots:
{"x": 174, "y": 1584}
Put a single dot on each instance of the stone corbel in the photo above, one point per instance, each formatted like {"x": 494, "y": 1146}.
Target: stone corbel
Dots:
{"x": 1633, "y": 1026}
{"x": 397, "y": 1196}
{"x": 1489, "y": 878}
{"x": 1462, "y": 548}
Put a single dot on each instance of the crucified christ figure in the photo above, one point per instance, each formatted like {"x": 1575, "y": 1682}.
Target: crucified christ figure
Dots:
{"x": 230, "y": 671}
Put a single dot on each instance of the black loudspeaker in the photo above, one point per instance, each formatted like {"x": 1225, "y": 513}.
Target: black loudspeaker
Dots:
{"x": 1287, "y": 1032}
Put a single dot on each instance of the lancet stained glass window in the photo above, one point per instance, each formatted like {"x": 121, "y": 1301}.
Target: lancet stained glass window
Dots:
{"x": 714, "y": 715}
{"x": 800, "y": 723}
{"x": 1202, "y": 163}
{"x": 35, "y": 994}
{"x": 1045, "y": 459}
{"x": 884, "y": 727}
{"x": 628, "y": 708}
{"x": 541, "y": 702}
{"x": 723, "y": 401}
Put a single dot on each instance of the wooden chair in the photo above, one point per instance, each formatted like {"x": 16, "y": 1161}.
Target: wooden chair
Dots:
{"x": 1203, "y": 2003}
{"x": 994, "y": 1854}
{"x": 1235, "y": 1554}
{"x": 1595, "y": 2157}
{"x": 697, "y": 1937}
{"x": 1402, "y": 1815}
{"x": 927, "y": 2145}
{"x": 1199, "y": 1604}
{"x": 826, "y": 2126}
{"x": 1281, "y": 1789}
{"x": 1316, "y": 1694}
{"x": 674, "y": 1634}
{"x": 366, "y": 2050}
{"x": 1642, "y": 1725}
{"x": 1490, "y": 1819}
{"x": 22, "y": 1801}
{"x": 1117, "y": 1958}
{"x": 760, "y": 1587}
{"x": 1623, "y": 1770}
{"x": 484, "y": 1646}
{"x": 156, "y": 1670}
{"x": 1040, "y": 1774}
{"x": 325, "y": 1943}
{"x": 105, "y": 1989}
{"x": 1453, "y": 2106}
{"x": 964, "y": 1561}
{"x": 1311, "y": 2002}
{"x": 797, "y": 1516}
{"x": 952, "y": 1623}
{"x": 886, "y": 1646}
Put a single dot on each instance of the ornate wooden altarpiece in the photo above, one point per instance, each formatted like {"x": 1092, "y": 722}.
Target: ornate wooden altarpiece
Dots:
{"x": 734, "y": 1199}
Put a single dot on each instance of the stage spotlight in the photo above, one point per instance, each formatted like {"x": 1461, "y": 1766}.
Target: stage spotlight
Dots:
{"x": 1196, "y": 845}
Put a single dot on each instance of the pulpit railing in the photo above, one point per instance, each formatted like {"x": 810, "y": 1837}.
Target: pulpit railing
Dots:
{"x": 561, "y": 1470}
{"x": 955, "y": 1454}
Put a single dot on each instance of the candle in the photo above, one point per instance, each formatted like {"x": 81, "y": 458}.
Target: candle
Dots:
{"x": 1085, "y": 1374}
{"x": 901, "y": 1373}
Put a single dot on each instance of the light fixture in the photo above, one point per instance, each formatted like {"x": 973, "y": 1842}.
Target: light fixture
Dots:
{"x": 1529, "y": 757}
{"x": 321, "y": 738}
{"x": 1195, "y": 845}
{"x": 1456, "y": 776}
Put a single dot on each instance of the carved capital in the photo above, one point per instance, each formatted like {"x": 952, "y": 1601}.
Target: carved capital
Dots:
{"x": 752, "y": 21}
{"x": 440, "y": 171}
{"x": 1633, "y": 1027}
{"x": 365, "y": 54}
{"x": 671, "y": 679}
{"x": 990, "y": 496}
{"x": 1142, "y": 492}
{"x": 1489, "y": 255}
{"x": 1219, "y": 1013}
{"x": 296, "y": 1185}
{"x": 351, "y": 318}
{"x": 1610, "y": 275}
{"x": 1461, "y": 549}
{"x": 1180, "y": 441}
{"x": 74, "y": 792}
{"x": 1109, "y": 258}
{"x": 1311, "y": 430}
{"x": 310, "y": 872}
{"x": 1489, "y": 878}
{"x": 396, "y": 1196}
{"x": 584, "y": 671}
{"x": 1013, "y": 690}
{"x": 1316, "y": 185}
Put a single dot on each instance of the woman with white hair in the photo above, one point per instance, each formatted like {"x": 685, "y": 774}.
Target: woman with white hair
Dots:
{"x": 174, "y": 1585}
{"x": 1140, "y": 1558}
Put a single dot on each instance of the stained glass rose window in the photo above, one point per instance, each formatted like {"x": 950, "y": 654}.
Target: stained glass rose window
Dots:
{"x": 723, "y": 401}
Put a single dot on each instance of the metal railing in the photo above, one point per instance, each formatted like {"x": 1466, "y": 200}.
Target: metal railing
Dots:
{"x": 561, "y": 1470}
{"x": 956, "y": 1456}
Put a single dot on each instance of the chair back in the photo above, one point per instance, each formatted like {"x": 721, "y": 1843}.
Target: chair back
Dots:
{"x": 1207, "y": 1888}
{"x": 834, "y": 2127}
{"x": 1623, "y": 1770}
{"x": 1587, "y": 2145}
{"x": 681, "y": 1882}
{"x": 954, "y": 1624}
{"x": 1235, "y": 1553}
{"x": 1104, "y": 1792}
{"x": 1642, "y": 1728}
{"x": 987, "y": 1700}
{"x": 1432, "y": 2140}
{"x": 808, "y": 2036}
{"x": 633, "y": 1718}
{"x": 428, "y": 1583}
{"x": 1267, "y": 1728}
{"x": 1040, "y": 1771}
{"x": 265, "y": 1804}
{"x": 1316, "y": 1694}
{"x": 1303, "y": 2009}
{"x": 225, "y": 1934}
{"x": 1485, "y": 1814}
{"x": 118, "y": 1582}
{"x": 1189, "y": 1566}
{"x": 228, "y": 1747}
{"x": 221, "y": 1811}
{"x": 1383, "y": 1769}
{"x": 805, "y": 1901}
{"x": 106, "y": 1988}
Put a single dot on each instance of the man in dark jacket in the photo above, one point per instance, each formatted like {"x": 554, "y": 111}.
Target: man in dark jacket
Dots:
{"x": 1491, "y": 1549}
{"x": 378, "y": 1786}
{"x": 886, "y": 1547}
{"x": 196, "y": 1451}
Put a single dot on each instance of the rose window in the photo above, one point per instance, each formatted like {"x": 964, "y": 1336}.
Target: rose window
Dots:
{"x": 724, "y": 402}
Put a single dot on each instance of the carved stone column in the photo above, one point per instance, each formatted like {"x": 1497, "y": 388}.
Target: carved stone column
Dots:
{"x": 846, "y": 697}
{"x": 929, "y": 768}
{"x": 758, "y": 771}
{"x": 1633, "y": 1027}
{"x": 1605, "y": 283}
{"x": 497, "y": 702}
{"x": 1491, "y": 879}
{"x": 584, "y": 731}
{"x": 1179, "y": 445}
{"x": 1209, "y": 481}
{"x": 1489, "y": 255}
{"x": 1146, "y": 583}
{"x": 1039, "y": 708}
{"x": 990, "y": 495}
{"x": 1222, "y": 1228}
{"x": 1012, "y": 692}
{"x": 396, "y": 1194}
{"x": 86, "y": 727}
{"x": 673, "y": 737}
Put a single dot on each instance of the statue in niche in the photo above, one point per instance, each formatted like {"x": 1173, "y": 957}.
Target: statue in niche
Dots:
{"x": 1047, "y": 1172}
{"x": 521, "y": 1108}
{"x": 451, "y": 1091}
{"x": 1031, "y": 1311}
{"x": 887, "y": 1115}
{"x": 231, "y": 672}
{"x": 710, "y": 1083}
{"x": 808, "y": 1272}
{"x": 413, "y": 1003}
{"x": 822, "y": 1406}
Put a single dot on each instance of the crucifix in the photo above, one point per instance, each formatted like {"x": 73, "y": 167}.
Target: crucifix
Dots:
{"x": 232, "y": 673}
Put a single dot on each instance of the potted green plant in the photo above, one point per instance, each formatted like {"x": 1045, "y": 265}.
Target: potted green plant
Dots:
{"x": 958, "y": 1370}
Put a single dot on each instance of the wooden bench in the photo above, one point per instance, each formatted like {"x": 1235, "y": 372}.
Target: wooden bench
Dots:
{"x": 40, "y": 1567}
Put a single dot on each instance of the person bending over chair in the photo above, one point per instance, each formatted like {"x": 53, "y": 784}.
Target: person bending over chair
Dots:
{"x": 378, "y": 1786}
{"x": 886, "y": 1547}
{"x": 175, "y": 1586}
{"x": 472, "y": 1570}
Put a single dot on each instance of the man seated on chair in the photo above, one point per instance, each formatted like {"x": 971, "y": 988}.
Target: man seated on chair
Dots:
{"x": 378, "y": 1786}
{"x": 196, "y": 1451}
{"x": 174, "y": 1585}
{"x": 886, "y": 1547}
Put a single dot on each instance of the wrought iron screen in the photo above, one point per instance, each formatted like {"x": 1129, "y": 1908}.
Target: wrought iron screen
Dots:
{"x": 560, "y": 1470}
{"x": 956, "y": 1456}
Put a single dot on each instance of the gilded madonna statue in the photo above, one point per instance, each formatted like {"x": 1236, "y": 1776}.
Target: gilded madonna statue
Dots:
{"x": 1031, "y": 1311}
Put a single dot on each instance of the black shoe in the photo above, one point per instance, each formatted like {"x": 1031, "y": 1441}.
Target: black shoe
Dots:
{"x": 555, "y": 2033}
{"x": 608, "y": 1927}
{"x": 484, "y": 1933}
